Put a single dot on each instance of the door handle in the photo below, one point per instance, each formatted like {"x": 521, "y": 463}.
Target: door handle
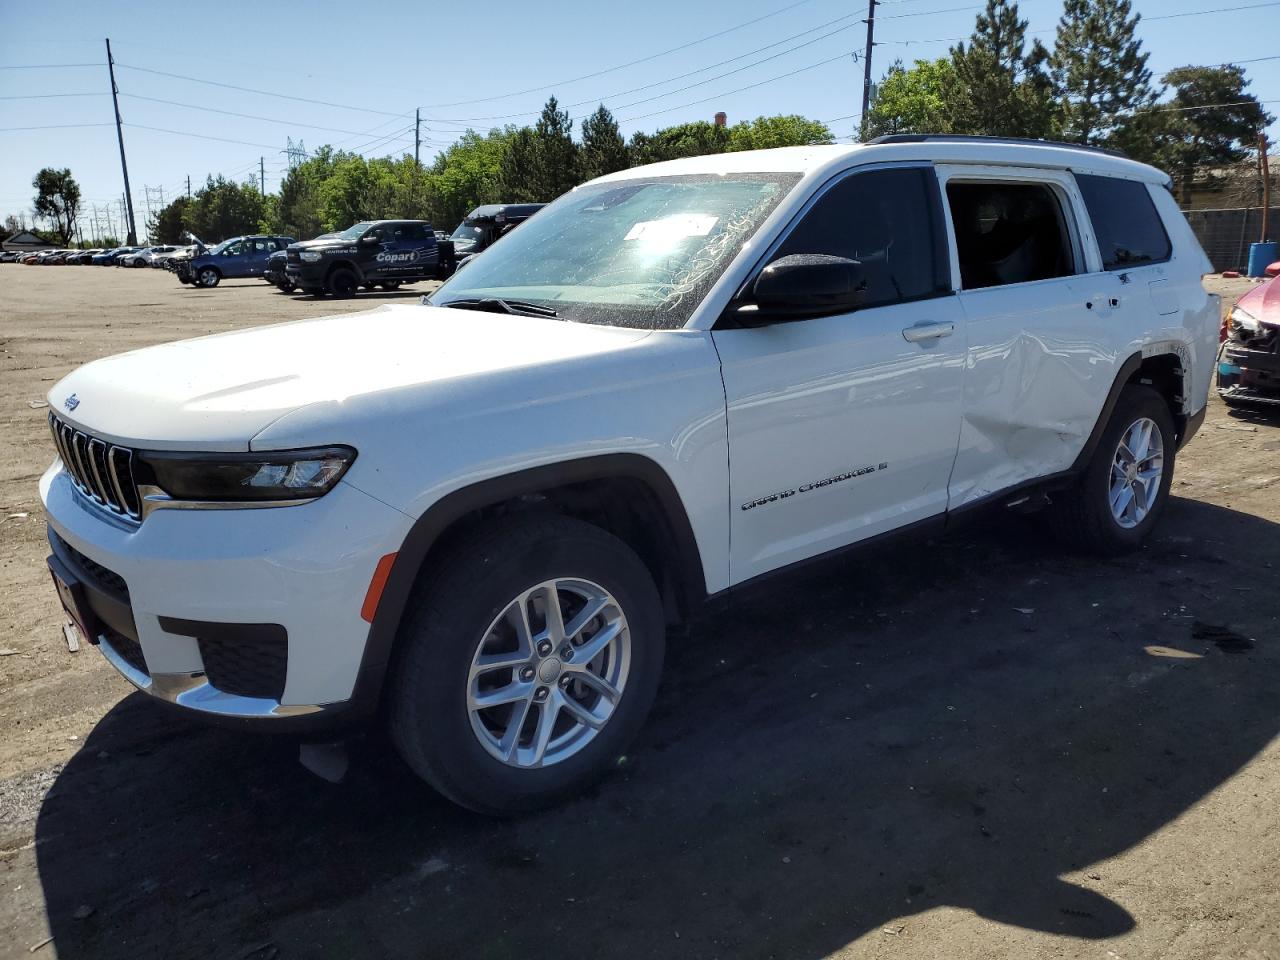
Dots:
{"x": 921, "y": 332}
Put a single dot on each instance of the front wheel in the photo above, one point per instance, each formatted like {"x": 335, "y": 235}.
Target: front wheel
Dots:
{"x": 529, "y": 662}
{"x": 1118, "y": 499}
{"x": 343, "y": 282}
{"x": 139, "y": 263}
{"x": 209, "y": 277}
{"x": 287, "y": 287}
{"x": 390, "y": 285}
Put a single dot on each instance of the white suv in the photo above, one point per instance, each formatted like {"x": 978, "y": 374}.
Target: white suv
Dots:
{"x": 480, "y": 514}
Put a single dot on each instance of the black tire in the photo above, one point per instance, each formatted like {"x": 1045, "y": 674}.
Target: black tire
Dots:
{"x": 208, "y": 278}
{"x": 1082, "y": 515}
{"x": 343, "y": 282}
{"x": 390, "y": 285}
{"x": 139, "y": 262}
{"x": 455, "y": 602}
{"x": 287, "y": 287}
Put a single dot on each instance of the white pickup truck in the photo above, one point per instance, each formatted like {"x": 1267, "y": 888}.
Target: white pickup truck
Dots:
{"x": 476, "y": 518}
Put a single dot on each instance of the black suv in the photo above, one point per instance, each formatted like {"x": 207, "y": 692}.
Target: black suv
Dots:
{"x": 486, "y": 224}
{"x": 383, "y": 253}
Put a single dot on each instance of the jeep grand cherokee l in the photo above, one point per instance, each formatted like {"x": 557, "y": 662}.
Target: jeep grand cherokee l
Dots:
{"x": 480, "y": 514}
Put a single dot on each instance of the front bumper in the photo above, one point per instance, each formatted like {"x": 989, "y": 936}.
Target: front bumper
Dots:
{"x": 1251, "y": 376}
{"x": 306, "y": 274}
{"x": 244, "y": 616}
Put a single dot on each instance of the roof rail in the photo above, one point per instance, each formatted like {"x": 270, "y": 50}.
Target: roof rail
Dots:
{"x": 968, "y": 138}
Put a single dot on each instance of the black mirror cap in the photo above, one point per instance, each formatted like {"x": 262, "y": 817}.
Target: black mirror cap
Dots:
{"x": 809, "y": 285}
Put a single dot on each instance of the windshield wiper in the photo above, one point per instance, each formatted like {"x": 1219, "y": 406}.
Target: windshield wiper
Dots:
{"x": 498, "y": 305}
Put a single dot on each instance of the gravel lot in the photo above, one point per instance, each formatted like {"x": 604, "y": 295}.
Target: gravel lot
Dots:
{"x": 973, "y": 747}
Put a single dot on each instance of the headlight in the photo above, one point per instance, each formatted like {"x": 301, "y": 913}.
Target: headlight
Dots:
{"x": 1245, "y": 321}
{"x": 273, "y": 475}
{"x": 311, "y": 256}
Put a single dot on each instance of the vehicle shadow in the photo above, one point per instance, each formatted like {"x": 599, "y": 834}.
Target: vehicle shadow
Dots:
{"x": 405, "y": 293}
{"x": 958, "y": 722}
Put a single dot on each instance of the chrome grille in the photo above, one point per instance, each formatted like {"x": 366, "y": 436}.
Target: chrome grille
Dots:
{"x": 101, "y": 471}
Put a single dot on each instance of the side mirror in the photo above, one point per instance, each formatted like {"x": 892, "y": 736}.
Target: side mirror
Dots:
{"x": 806, "y": 285}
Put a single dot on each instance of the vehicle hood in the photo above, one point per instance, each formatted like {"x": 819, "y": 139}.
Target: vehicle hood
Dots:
{"x": 218, "y": 392}
{"x": 318, "y": 244}
{"x": 1263, "y": 302}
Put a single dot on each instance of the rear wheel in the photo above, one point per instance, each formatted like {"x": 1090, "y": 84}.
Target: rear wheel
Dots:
{"x": 1118, "y": 499}
{"x": 529, "y": 662}
{"x": 287, "y": 287}
{"x": 390, "y": 284}
{"x": 209, "y": 277}
{"x": 343, "y": 282}
{"x": 139, "y": 262}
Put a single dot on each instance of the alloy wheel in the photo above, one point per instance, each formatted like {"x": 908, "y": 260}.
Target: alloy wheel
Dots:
{"x": 1136, "y": 473}
{"x": 548, "y": 673}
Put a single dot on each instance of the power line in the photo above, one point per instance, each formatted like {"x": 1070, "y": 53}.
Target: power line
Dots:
{"x": 45, "y": 66}
{"x": 201, "y": 136}
{"x": 55, "y": 126}
{"x": 246, "y": 116}
{"x": 620, "y": 66}
{"x": 750, "y": 86}
{"x": 50, "y": 96}
{"x": 691, "y": 86}
{"x": 265, "y": 93}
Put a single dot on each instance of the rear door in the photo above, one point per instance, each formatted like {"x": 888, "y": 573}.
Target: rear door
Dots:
{"x": 410, "y": 253}
{"x": 1045, "y": 341}
{"x": 843, "y": 427}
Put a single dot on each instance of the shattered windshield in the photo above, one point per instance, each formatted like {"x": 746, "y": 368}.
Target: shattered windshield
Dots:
{"x": 631, "y": 253}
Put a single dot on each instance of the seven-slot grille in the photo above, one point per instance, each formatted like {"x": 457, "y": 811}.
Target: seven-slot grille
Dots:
{"x": 102, "y": 471}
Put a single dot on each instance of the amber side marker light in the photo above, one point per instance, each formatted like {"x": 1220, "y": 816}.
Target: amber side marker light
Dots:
{"x": 379, "y": 583}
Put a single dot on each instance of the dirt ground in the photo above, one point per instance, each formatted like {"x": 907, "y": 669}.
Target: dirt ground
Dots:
{"x": 979, "y": 746}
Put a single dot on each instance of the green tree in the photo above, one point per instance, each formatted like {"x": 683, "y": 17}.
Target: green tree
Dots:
{"x": 1211, "y": 120}
{"x": 912, "y": 100}
{"x": 554, "y": 163}
{"x": 515, "y": 169}
{"x": 168, "y": 226}
{"x": 603, "y": 149}
{"x": 223, "y": 208}
{"x": 466, "y": 175}
{"x": 57, "y": 200}
{"x": 694, "y": 139}
{"x": 1000, "y": 88}
{"x": 787, "y": 130}
{"x": 1099, "y": 71}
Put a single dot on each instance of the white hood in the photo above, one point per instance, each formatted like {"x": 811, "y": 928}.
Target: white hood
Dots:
{"x": 218, "y": 392}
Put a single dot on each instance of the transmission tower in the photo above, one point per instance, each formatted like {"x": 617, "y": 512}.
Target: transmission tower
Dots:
{"x": 295, "y": 152}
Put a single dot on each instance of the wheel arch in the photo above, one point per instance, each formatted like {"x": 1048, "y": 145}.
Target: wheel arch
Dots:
{"x": 343, "y": 264}
{"x": 1162, "y": 367}
{"x": 622, "y": 492}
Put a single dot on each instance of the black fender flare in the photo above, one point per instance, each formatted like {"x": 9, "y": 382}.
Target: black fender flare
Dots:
{"x": 440, "y": 516}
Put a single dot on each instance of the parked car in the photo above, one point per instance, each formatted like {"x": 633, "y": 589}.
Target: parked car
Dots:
{"x": 1249, "y": 366}
{"x": 110, "y": 258}
{"x": 383, "y": 253}
{"x": 53, "y": 258}
{"x": 276, "y": 272}
{"x": 160, "y": 256}
{"x": 487, "y": 223}
{"x": 232, "y": 259}
{"x": 143, "y": 257}
{"x": 475, "y": 518}
{"x": 8, "y": 256}
{"x": 82, "y": 257}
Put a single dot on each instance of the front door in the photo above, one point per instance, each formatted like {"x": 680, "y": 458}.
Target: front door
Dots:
{"x": 232, "y": 260}
{"x": 843, "y": 427}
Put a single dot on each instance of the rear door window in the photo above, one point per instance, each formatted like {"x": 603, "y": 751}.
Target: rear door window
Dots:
{"x": 1009, "y": 232}
{"x": 1125, "y": 220}
{"x": 887, "y": 220}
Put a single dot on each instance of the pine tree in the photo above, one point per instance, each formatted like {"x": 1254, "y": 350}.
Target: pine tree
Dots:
{"x": 554, "y": 163}
{"x": 1000, "y": 88}
{"x": 515, "y": 170}
{"x": 603, "y": 149}
{"x": 1099, "y": 70}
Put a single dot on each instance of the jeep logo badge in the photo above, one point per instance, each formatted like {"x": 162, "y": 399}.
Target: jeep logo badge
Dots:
{"x": 71, "y": 402}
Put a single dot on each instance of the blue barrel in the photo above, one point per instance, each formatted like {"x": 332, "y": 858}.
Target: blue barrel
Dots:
{"x": 1260, "y": 255}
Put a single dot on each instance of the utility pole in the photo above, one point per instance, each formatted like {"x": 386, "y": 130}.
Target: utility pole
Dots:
{"x": 188, "y": 186}
{"x": 866, "y": 76}
{"x": 417, "y": 137}
{"x": 262, "y": 176}
{"x": 1266, "y": 187}
{"x": 124, "y": 167}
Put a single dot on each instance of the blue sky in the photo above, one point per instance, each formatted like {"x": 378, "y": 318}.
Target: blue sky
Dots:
{"x": 465, "y": 63}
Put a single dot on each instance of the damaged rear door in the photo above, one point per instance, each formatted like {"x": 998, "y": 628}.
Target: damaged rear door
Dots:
{"x": 1043, "y": 346}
